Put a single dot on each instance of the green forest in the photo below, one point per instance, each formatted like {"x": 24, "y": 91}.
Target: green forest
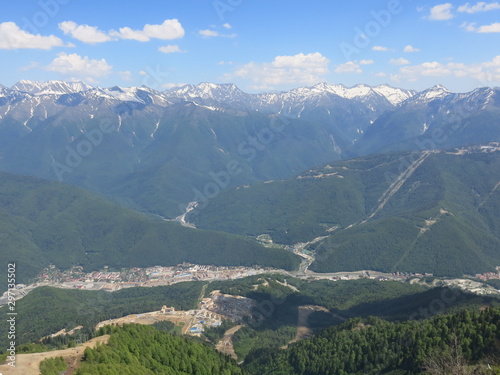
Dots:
{"x": 142, "y": 350}
{"x": 47, "y": 310}
{"x": 274, "y": 321}
{"x": 465, "y": 342}
{"x": 375, "y": 346}
{"x": 356, "y": 313}
{"x": 443, "y": 219}
{"x": 51, "y": 223}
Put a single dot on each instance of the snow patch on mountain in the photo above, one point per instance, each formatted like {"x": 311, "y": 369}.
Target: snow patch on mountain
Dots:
{"x": 225, "y": 92}
{"x": 125, "y": 94}
{"x": 393, "y": 95}
{"x": 435, "y": 92}
{"x": 50, "y": 87}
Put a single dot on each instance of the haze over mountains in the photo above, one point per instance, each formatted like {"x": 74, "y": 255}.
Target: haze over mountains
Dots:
{"x": 159, "y": 151}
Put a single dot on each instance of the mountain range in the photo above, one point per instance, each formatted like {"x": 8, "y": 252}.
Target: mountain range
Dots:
{"x": 158, "y": 151}
{"x": 248, "y": 164}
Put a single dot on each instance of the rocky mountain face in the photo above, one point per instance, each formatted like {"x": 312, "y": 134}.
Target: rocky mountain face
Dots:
{"x": 436, "y": 119}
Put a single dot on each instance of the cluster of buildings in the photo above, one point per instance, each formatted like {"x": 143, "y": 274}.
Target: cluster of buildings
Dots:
{"x": 110, "y": 280}
{"x": 489, "y": 275}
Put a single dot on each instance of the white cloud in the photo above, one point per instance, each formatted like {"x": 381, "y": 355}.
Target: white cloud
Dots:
{"x": 171, "y": 48}
{"x": 214, "y": 34}
{"x": 84, "y": 33}
{"x": 227, "y": 26}
{"x": 484, "y": 72}
{"x": 76, "y": 66}
{"x": 225, "y": 63}
{"x": 400, "y": 61}
{"x": 348, "y": 67}
{"x": 380, "y": 48}
{"x": 441, "y": 12}
{"x": 12, "y": 37}
{"x": 129, "y": 34}
{"x": 380, "y": 74}
{"x": 284, "y": 70}
{"x": 209, "y": 33}
{"x": 493, "y": 28}
{"x": 169, "y": 29}
{"x": 366, "y": 62}
{"x": 479, "y": 7}
{"x": 410, "y": 48}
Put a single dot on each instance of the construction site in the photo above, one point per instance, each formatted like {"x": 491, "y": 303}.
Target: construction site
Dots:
{"x": 211, "y": 312}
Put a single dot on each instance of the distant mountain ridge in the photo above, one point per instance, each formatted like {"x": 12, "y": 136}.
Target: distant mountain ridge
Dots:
{"x": 224, "y": 92}
{"x": 436, "y": 119}
{"x": 50, "y": 87}
{"x": 161, "y": 148}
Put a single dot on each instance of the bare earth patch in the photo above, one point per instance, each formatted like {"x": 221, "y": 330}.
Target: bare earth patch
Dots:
{"x": 28, "y": 364}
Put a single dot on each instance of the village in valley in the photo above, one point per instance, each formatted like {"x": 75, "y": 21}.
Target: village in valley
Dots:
{"x": 112, "y": 280}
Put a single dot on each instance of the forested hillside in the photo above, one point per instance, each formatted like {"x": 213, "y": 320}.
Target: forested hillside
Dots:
{"x": 48, "y": 310}
{"x": 435, "y": 212}
{"x": 375, "y": 346}
{"x": 142, "y": 350}
{"x": 280, "y": 308}
{"x": 46, "y": 223}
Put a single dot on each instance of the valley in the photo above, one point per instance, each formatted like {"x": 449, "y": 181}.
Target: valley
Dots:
{"x": 248, "y": 222}
{"x": 259, "y": 187}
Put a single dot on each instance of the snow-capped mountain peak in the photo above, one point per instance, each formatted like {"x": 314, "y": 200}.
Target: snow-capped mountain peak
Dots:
{"x": 50, "y": 87}
{"x": 219, "y": 92}
{"x": 394, "y": 95}
{"x": 437, "y": 91}
{"x": 358, "y": 92}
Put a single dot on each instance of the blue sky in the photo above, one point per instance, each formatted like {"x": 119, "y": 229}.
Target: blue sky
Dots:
{"x": 259, "y": 45}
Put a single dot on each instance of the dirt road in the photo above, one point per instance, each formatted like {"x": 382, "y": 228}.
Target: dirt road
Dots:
{"x": 225, "y": 345}
{"x": 28, "y": 364}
